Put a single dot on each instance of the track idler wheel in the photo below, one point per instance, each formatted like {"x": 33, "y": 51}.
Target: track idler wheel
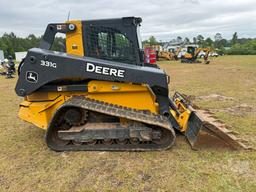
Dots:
{"x": 134, "y": 141}
{"x": 75, "y": 116}
{"x": 78, "y": 143}
{"x": 122, "y": 141}
{"x": 92, "y": 142}
{"x": 107, "y": 141}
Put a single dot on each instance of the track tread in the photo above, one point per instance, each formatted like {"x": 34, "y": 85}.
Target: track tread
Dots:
{"x": 117, "y": 111}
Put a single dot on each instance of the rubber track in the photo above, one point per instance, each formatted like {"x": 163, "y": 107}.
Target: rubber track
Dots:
{"x": 117, "y": 111}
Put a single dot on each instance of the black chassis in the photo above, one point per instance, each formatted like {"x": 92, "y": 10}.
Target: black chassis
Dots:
{"x": 68, "y": 67}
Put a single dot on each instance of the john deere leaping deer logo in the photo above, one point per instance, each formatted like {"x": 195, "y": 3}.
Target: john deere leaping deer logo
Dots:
{"x": 32, "y": 76}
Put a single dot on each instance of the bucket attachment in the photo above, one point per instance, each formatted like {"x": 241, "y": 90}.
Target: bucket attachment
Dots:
{"x": 203, "y": 130}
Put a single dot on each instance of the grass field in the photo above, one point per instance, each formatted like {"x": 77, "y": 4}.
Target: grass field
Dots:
{"x": 227, "y": 86}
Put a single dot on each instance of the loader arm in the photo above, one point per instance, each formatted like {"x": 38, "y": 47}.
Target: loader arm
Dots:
{"x": 198, "y": 50}
{"x": 178, "y": 52}
{"x": 207, "y": 51}
{"x": 48, "y": 66}
{"x": 50, "y": 32}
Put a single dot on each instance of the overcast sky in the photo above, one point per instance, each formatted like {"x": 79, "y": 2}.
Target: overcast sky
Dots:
{"x": 165, "y": 19}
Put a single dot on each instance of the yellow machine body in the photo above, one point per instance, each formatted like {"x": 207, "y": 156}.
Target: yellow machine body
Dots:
{"x": 188, "y": 56}
{"x": 40, "y": 107}
{"x": 74, "y": 41}
{"x": 195, "y": 53}
{"x": 166, "y": 55}
{"x": 162, "y": 54}
{"x": 183, "y": 117}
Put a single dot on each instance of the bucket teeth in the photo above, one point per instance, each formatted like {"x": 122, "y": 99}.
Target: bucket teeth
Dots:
{"x": 204, "y": 130}
{"x": 209, "y": 132}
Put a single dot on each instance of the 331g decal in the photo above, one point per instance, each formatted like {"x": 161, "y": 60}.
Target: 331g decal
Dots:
{"x": 48, "y": 64}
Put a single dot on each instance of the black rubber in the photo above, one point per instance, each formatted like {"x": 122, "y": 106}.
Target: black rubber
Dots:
{"x": 151, "y": 120}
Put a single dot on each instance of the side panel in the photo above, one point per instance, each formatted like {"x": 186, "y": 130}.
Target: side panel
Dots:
{"x": 42, "y": 67}
{"x": 74, "y": 41}
{"x": 39, "y": 113}
{"x": 123, "y": 94}
{"x": 40, "y": 107}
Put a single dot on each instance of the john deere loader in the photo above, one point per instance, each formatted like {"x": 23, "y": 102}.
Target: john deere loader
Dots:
{"x": 99, "y": 95}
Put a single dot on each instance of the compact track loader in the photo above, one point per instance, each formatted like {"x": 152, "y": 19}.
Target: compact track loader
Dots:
{"x": 100, "y": 95}
{"x": 191, "y": 56}
{"x": 161, "y": 54}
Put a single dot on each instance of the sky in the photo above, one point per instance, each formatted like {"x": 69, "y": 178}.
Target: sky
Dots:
{"x": 164, "y": 19}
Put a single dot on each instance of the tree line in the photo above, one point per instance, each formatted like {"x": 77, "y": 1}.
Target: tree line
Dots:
{"x": 235, "y": 46}
{"x": 10, "y": 43}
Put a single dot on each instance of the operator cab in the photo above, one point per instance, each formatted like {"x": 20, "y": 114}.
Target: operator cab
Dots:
{"x": 109, "y": 39}
{"x": 191, "y": 50}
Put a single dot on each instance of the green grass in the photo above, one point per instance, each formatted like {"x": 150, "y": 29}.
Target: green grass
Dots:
{"x": 26, "y": 164}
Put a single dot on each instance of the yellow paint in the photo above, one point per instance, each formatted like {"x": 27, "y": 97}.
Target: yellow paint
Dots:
{"x": 124, "y": 94}
{"x": 188, "y": 56}
{"x": 39, "y": 108}
{"x": 196, "y": 53}
{"x": 183, "y": 117}
{"x": 39, "y": 113}
{"x": 74, "y": 40}
{"x": 166, "y": 55}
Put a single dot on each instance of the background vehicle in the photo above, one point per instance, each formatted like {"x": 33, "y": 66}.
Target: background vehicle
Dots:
{"x": 192, "y": 54}
{"x": 213, "y": 54}
{"x": 7, "y": 68}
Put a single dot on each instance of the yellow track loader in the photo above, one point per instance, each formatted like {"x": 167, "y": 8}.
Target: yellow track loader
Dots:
{"x": 100, "y": 95}
{"x": 191, "y": 56}
{"x": 164, "y": 55}
{"x": 167, "y": 55}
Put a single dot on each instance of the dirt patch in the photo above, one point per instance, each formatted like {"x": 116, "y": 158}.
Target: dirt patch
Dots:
{"x": 237, "y": 109}
{"x": 240, "y": 167}
{"x": 215, "y": 97}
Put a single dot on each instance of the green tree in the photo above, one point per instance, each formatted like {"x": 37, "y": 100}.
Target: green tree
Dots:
{"x": 248, "y": 48}
{"x": 186, "y": 40}
{"x": 220, "y": 42}
{"x": 200, "y": 40}
{"x": 208, "y": 42}
{"x": 218, "y": 37}
{"x": 179, "y": 39}
{"x": 194, "y": 40}
{"x": 152, "y": 40}
{"x": 234, "y": 39}
{"x": 145, "y": 42}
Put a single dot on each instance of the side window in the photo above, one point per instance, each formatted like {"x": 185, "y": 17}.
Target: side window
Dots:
{"x": 191, "y": 50}
{"x": 102, "y": 47}
{"x": 123, "y": 48}
{"x": 110, "y": 44}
